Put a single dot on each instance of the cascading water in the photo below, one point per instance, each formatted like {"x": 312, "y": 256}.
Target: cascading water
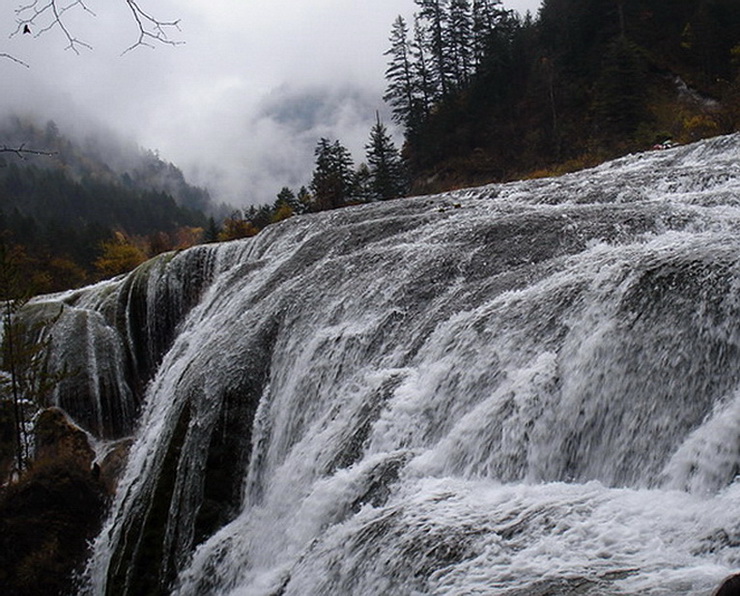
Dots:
{"x": 109, "y": 339}
{"x": 531, "y": 388}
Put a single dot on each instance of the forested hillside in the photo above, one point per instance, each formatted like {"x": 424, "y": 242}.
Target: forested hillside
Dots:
{"x": 72, "y": 212}
{"x": 486, "y": 95}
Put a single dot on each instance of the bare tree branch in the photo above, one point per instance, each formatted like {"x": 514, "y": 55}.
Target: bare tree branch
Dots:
{"x": 21, "y": 151}
{"x": 48, "y": 14}
{"x": 150, "y": 28}
{"x": 45, "y": 15}
{"x": 13, "y": 58}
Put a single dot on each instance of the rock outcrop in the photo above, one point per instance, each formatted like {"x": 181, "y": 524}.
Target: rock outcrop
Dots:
{"x": 49, "y": 516}
{"x": 729, "y": 587}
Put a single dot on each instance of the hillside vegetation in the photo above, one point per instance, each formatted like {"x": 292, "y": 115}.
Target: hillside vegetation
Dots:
{"x": 89, "y": 209}
{"x": 486, "y": 95}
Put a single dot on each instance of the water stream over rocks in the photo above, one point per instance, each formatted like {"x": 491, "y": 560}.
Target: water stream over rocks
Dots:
{"x": 530, "y": 388}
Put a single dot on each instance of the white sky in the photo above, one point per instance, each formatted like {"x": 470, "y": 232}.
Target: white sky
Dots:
{"x": 240, "y": 105}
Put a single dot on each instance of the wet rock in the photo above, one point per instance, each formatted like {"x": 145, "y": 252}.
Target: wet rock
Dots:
{"x": 112, "y": 464}
{"x": 47, "y": 521}
{"x": 59, "y": 439}
{"x": 729, "y": 587}
{"x": 50, "y": 515}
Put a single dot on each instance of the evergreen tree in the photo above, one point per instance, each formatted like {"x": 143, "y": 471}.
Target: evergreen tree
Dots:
{"x": 260, "y": 217}
{"x": 399, "y": 74}
{"x": 484, "y": 17}
{"x": 620, "y": 95}
{"x": 212, "y": 231}
{"x": 363, "y": 184}
{"x": 709, "y": 37}
{"x": 305, "y": 199}
{"x": 411, "y": 89}
{"x": 387, "y": 171}
{"x": 333, "y": 176}
{"x": 286, "y": 205}
{"x": 435, "y": 13}
{"x": 424, "y": 89}
{"x": 287, "y": 198}
{"x": 459, "y": 39}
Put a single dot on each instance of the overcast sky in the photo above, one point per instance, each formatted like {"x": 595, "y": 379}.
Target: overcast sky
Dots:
{"x": 239, "y": 106}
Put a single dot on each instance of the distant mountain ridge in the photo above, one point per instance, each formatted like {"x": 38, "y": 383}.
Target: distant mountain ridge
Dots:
{"x": 74, "y": 210}
{"x": 101, "y": 157}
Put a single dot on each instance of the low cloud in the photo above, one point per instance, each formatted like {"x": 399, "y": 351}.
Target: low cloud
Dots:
{"x": 239, "y": 107}
{"x": 274, "y": 146}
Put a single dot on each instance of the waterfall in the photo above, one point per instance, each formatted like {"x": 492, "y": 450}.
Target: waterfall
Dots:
{"x": 529, "y": 388}
{"x": 108, "y": 339}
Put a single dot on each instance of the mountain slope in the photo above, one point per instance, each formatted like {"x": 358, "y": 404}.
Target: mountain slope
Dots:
{"x": 59, "y": 208}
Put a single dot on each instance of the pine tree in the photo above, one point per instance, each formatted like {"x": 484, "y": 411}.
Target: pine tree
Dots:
{"x": 260, "y": 217}
{"x": 305, "y": 199}
{"x": 460, "y": 35}
{"x": 424, "y": 89}
{"x": 620, "y": 95}
{"x": 484, "y": 17}
{"x": 287, "y": 198}
{"x": 333, "y": 176}
{"x": 435, "y": 13}
{"x": 212, "y": 231}
{"x": 286, "y": 205}
{"x": 400, "y": 76}
{"x": 363, "y": 184}
{"x": 387, "y": 171}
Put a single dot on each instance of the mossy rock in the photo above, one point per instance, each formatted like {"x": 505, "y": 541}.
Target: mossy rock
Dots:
{"x": 47, "y": 521}
{"x": 58, "y": 438}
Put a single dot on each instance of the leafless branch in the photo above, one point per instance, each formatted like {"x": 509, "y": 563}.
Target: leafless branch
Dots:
{"x": 45, "y": 15}
{"x": 48, "y": 14}
{"x": 21, "y": 151}
{"x": 151, "y": 29}
{"x": 13, "y": 58}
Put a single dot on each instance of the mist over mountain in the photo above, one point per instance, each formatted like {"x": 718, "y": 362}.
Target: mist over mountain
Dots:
{"x": 274, "y": 146}
{"x": 74, "y": 209}
{"x": 99, "y": 155}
